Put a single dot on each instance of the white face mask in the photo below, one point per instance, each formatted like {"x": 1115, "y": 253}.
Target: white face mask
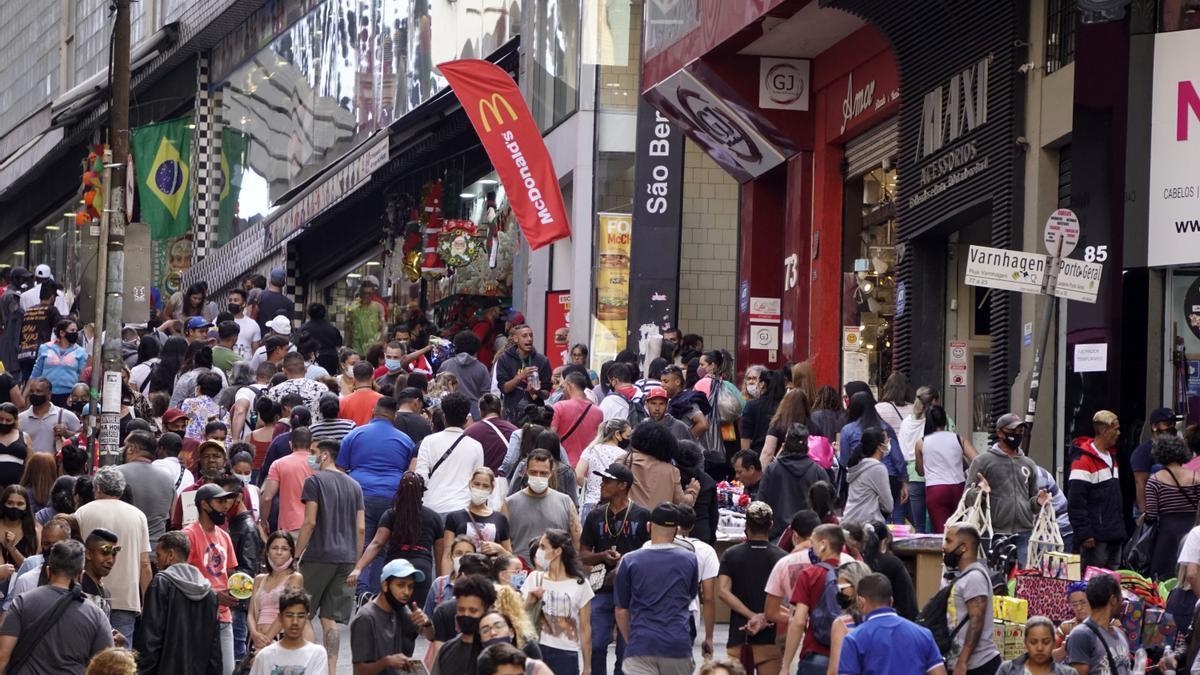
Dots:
{"x": 480, "y": 497}
{"x": 244, "y": 477}
{"x": 457, "y": 563}
{"x": 539, "y": 484}
{"x": 540, "y": 559}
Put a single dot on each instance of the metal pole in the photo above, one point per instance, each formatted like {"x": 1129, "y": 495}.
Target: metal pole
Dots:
{"x": 101, "y": 288}
{"x": 1035, "y": 379}
{"x": 115, "y": 269}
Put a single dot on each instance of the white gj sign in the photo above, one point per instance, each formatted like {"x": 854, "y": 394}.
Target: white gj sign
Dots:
{"x": 1174, "y": 236}
{"x": 783, "y": 83}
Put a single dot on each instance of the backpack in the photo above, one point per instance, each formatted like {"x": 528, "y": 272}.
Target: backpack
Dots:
{"x": 636, "y": 410}
{"x": 821, "y": 619}
{"x": 933, "y": 616}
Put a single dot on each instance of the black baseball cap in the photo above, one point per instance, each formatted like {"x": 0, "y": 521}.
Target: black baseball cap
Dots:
{"x": 410, "y": 394}
{"x": 211, "y": 491}
{"x": 1164, "y": 415}
{"x": 616, "y": 471}
{"x": 665, "y": 515}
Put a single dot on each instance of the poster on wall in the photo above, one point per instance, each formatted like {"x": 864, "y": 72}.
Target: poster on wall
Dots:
{"x": 1174, "y": 222}
{"x": 610, "y": 330}
{"x": 558, "y": 327}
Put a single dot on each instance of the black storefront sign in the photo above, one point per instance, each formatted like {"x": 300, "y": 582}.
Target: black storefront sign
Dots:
{"x": 657, "y": 223}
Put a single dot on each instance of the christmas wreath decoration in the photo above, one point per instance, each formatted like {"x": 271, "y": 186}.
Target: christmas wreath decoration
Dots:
{"x": 459, "y": 243}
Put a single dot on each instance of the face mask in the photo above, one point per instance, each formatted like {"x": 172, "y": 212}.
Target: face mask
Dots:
{"x": 497, "y": 640}
{"x": 72, "y": 338}
{"x": 538, "y": 484}
{"x": 392, "y": 602}
{"x": 314, "y": 463}
{"x": 287, "y": 565}
{"x": 234, "y": 309}
{"x": 480, "y": 497}
{"x": 13, "y": 513}
{"x": 217, "y": 517}
{"x": 1011, "y": 440}
{"x": 844, "y": 601}
{"x": 5, "y": 428}
{"x": 393, "y": 364}
{"x": 467, "y": 625}
{"x": 540, "y": 559}
{"x": 623, "y": 444}
{"x": 77, "y": 406}
{"x": 244, "y": 477}
{"x": 38, "y": 399}
{"x": 518, "y": 579}
{"x": 952, "y": 559}
{"x": 457, "y": 563}
{"x": 130, "y": 344}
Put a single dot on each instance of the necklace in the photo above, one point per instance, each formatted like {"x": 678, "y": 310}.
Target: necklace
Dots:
{"x": 608, "y": 531}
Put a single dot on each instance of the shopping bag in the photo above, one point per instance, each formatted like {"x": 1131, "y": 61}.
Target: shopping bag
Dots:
{"x": 1046, "y": 537}
{"x": 1061, "y": 566}
{"x": 1132, "y": 619}
{"x": 1006, "y": 608}
{"x": 976, "y": 512}
{"x": 1140, "y": 548}
{"x": 1158, "y": 628}
{"x": 1093, "y": 572}
{"x": 1047, "y": 596}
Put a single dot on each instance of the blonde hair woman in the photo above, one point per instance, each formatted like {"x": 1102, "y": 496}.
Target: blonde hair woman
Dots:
{"x": 848, "y": 576}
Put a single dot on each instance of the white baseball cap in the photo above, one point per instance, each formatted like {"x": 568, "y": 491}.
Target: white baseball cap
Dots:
{"x": 42, "y": 272}
{"x": 280, "y": 325}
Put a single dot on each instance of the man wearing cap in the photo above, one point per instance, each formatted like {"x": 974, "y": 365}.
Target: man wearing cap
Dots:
{"x": 131, "y": 572}
{"x": 195, "y": 329}
{"x": 179, "y": 632}
{"x": 1162, "y": 425}
{"x": 743, "y": 574}
{"x": 31, "y": 297}
{"x": 383, "y": 634}
{"x": 212, "y": 460}
{"x": 366, "y": 316}
{"x": 100, "y": 555}
{"x": 410, "y": 404}
{"x": 615, "y": 527}
{"x": 654, "y": 588}
{"x": 1094, "y": 501}
{"x": 1011, "y": 478}
{"x": 213, "y": 554}
{"x": 272, "y": 302}
{"x": 657, "y": 404}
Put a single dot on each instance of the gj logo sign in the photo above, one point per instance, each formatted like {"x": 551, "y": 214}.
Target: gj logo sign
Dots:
{"x": 1174, "y": 218}
{"x": 783, "y": 84}
{"x": 720, "y": 126}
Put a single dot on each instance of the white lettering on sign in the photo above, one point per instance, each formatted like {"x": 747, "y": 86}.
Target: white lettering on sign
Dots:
{"x": 857, "y": 102}
{"x": 791, "y": 272}
{"x": 954, "y": 109}
{"x": 660, "y": 146}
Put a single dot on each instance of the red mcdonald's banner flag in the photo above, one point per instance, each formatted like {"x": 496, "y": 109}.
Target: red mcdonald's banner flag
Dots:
{"x": 513, "y": 143}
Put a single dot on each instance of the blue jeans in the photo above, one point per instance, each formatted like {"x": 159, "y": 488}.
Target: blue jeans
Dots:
{"x": 241, "y": 632}
{"x": 123, "y": 621}
{"x": 604, "y": 620}
{"x": 373, "y": 508}
{"x": 813, "y": 664}
{"x": 561, "y": 661}
{"x": 1022, "y": 544}
{"x": 916, "y": 506}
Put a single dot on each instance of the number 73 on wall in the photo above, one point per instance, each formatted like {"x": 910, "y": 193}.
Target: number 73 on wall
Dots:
{"x": 791, "y": 272}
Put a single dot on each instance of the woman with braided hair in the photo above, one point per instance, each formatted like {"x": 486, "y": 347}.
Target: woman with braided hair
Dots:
{"x": 408, "y": 530}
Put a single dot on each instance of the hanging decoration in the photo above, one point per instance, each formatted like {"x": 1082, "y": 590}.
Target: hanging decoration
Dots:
{"x": 459, "y": 242}
{"x": 432, "y": 265}
{"x": 93, "y": 184}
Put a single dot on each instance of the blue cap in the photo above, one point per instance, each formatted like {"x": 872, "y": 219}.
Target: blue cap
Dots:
{"x": 401, "y": 568}
{"x": 198, "y": 322}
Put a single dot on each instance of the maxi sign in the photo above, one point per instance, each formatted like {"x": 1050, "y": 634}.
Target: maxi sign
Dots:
{"x": 1024, "y": 272}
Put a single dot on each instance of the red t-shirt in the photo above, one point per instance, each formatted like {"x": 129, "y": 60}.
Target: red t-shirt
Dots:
{"x": 565, "y": 415}
{"x": 213, "y": 554}
{"x": 810, "y": 585}
{"x": 360, "y": 406}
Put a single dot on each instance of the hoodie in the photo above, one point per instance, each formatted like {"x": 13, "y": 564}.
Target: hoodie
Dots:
{"x": 507, "y": 365}
{"x": 1094, "y": 501}
{"x": 474, "y": 380}
{"x": 784, "y": 486}
{"x": 179, "y": 632}
{"x": 1014, "y": 484}
{"x": 870, "y": 494}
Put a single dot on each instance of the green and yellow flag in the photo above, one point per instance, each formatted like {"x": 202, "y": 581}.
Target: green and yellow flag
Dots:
{"x": 234, "y": 145}
{"x": 161, "y": 155}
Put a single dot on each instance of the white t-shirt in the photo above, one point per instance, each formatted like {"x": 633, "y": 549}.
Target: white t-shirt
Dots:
{"x": 942, "y": 453}
{"x": 1190, "y": 553}
{"x": 139, "y": 373}
{"x": 448, "y": 490}
{"x": 133, "y": 536}
{"x": 33, "y": 296}
{"x": 248, "y": 393}
{"x": 171, "y": 467}
{"x": 614, "y": 407}
{"x": 561, "y": 603}
{"x": 598, "y": 458}
{"x": 307, "y": 660}
{"x": 248, "y": 335}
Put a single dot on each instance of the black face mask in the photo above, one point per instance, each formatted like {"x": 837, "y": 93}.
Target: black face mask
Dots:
{"x": 392, "y": 602}
{"x": 13, "y": 513}
{"x": 1011, "y": 440}
{"x": 952, "y": 559}
{"x": 844, "y": 601}
{"x": 234, "y": 309}
{"x": 38, "y": 399}
{"x": 72, "y": 337}
{"x": 217, "y": 518}
{"x": 5, "y": 428}
{"x": 495, "y": 641}
{"x": 467, "y": 625}
{"x": 623, "y": 444}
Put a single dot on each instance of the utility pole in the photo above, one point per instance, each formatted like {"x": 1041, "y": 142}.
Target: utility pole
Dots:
{"x": 110, "y": 405}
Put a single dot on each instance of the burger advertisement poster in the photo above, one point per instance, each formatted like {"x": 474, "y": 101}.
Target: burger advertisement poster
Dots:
{"x": 612, "y": 285}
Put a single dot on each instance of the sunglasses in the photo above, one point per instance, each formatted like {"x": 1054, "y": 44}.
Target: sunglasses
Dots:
{"x": 108, "y": 549}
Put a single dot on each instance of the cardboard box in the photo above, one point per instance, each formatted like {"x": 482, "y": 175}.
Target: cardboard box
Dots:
{"x": 1061, "y": 566}
{"x": 1009, "y": 638}
{"x": 1005, "y": 608}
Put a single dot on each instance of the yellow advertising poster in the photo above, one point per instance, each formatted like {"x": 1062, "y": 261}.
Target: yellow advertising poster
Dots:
{"x": 612, "y": 286}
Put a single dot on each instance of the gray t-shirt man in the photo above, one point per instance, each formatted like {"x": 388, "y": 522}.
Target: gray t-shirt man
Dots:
{"x": 66, "y": 647}
{"x": 339, "y": 501}
{"x": 973, "y": 582}
{"x": 1085, "y": 646}
{"x": 530, "y": 517}
{"x": 152, "y": 492}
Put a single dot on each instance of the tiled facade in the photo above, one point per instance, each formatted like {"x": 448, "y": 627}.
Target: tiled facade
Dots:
{"x": 29, "y": 33}
{"x": 708, "y": 264}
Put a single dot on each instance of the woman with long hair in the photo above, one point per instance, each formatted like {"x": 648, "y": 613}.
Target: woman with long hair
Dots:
{"x": 910, "y": 431}
{"x": 804, "y": 378}
{"x": 41, "y": 470}
{"x": 62, "y": 501}
{"x": 763, "y": 390}
{"x": 828, "y": 416}
{"x": 147, "y": 358}
{"x": 14, "y": 446}
{"x": 260, "y": 439}
{"x": 560, "y": 586}
{"x": 941, "y": 457}
{"x": 194, "y": 302}
{"x": 895, "y": 400}
{"x": 18, "y": 532}
{"x": 869, "y": 497}
{"x": 408, "y": 530}
{"x": 443, "y": 586}
{"x": 861, "y": 415}
{"x": 196, "y": 361}
{"x": 170, "y": 363}
{"x": 279, "y": 573}
{"x": 486, "y": 528}
{"x": 876, "y": 551}
{"x": 793, "y": 409}
{"x": 611, "y": 442}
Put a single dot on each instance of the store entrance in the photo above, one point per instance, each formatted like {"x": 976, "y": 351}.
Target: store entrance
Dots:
{"x": 968, "y": 341}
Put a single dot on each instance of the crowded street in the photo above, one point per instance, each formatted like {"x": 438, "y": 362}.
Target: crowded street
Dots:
{"x": 590, "y": 337}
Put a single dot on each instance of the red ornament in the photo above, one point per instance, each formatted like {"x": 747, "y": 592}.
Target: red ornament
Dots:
{"x": 432, "y": 264}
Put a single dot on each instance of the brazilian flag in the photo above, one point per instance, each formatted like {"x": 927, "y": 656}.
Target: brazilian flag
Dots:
{"x": 234, "y": 145}
{"x": 160, "y": 154}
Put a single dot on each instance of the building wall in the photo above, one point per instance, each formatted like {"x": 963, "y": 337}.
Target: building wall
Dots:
{"x": 708, "y": 261}
{"x": 29, "y": 35}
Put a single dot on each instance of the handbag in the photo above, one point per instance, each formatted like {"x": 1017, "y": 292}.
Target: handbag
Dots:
{"x": 1046, "y": 537}
{"x": 975, "y": 512}
{"x": 1140, "y": 549}
{"x": 535, "y": 610}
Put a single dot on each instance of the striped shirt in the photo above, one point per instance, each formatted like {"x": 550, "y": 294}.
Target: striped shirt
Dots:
{"x": 332, "y": 429}
{"x": 1164, "y": 498}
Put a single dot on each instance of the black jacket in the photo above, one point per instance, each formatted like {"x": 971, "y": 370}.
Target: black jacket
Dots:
{"x": 507, "y": 365}
{"x": 784, "y": 486}
{"x": 179, "y": 633}
{"x": 247, "y": 542}
{"x": 707, "y": 514}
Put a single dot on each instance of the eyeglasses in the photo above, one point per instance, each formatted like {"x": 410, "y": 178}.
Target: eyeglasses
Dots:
{"x": 1078, "y": 604}
{"x": 494, "y": 628}
{"x": 108, "y": 549}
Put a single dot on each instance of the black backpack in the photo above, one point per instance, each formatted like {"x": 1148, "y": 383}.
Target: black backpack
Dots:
{"x": 933, "y": 616}
{"x": 637, "y": 410}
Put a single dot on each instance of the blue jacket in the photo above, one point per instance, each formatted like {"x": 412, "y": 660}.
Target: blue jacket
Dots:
{"x": 894, "y": 460}
{"x": 62, "y": 366}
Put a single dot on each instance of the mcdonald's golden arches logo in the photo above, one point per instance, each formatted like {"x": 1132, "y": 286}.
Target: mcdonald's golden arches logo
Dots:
{"x": 494, "y": 104}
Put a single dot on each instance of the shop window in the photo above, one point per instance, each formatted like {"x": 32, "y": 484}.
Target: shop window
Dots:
{"x": 1183, "y": 325}
{"x": 13, "y": 253}
{"x": 554, "y": 51}
{"x": 869, "y": 276}
{"x": 1061, "y": 16}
